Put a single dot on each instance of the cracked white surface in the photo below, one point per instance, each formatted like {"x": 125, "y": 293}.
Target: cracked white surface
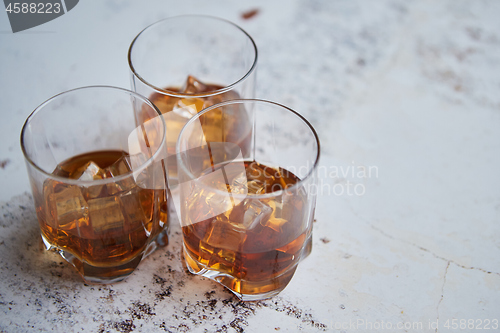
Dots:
{"x": 408, "y": 87}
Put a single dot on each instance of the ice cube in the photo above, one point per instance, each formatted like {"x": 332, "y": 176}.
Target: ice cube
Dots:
{"x": 61, "y": 172}
{"x": 200, "y": 205}
{"x": 188, "y": 107}
{"x": 223, "y": 235}
{"x": 234, "y": 215}
{"x": 285, "y": 222}
{"x": 163, "y": 102}
{"x": 276, "y": 220}
{"x": 92, "y": 192}
{"x": 194, "y": 86}
{"x": 256, "y": 187}
{"x": 292, "y": 207}
{"x": 66, "y": 206}
{"x": 120, "y": 186}
{"x": 257, "y": 212}
{"x": 105, "y": 214}
{"x": 220, "y": 247}
{"x": 249, "y": 214}
{"x": 88, "y": 172}
{"x": 238, "y": 181}
{"x": 276, "y": 203}
{"x": 219, "y": 259}
{"x": 211, "y": 194}
{"x": 212, "y": 100}
{"x": 275, "y": 234}
{"x": 217, "y": 202}
{"x": 120, "y": 167}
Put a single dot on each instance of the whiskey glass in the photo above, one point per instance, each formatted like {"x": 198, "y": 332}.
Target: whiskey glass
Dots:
{"x": 184, "y": 64}
{"x": 93, "y": 156}
{"x": 246, "y": 214}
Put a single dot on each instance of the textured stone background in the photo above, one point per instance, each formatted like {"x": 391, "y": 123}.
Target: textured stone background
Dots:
{"x": 408, "y": 87}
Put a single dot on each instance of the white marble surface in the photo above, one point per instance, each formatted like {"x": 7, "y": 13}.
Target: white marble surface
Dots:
{"x": 407, "y": 89}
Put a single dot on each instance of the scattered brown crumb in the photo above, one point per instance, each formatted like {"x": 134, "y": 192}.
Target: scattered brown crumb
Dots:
{"x": 325, "y": 240}
{"x": 277, "y": 328}
{"x": 314, "y": 221}
{"x": 249, "y": 14}
{"x": 4, "y": 163}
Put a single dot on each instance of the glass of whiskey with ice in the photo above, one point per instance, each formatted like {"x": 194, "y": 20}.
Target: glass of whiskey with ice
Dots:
{"x": 184, "y": 64}
{"x": 97, "y": 180}
{"x": 246, "y": 214}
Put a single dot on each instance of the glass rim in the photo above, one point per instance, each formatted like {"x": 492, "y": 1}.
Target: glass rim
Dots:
{"x": 103, "y": 181}
{"x": 299, "y": 184}
{"x": 183, "y": 95}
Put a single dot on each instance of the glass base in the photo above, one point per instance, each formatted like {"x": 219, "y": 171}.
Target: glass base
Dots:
{"x": 245, "y": 290}
{"x": 108, "y": 274}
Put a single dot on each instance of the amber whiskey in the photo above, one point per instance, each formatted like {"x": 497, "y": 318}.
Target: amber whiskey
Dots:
{"x": 100, "y": 221}
{"x": 253, "y": 247}
{"x": 230, "y": 125}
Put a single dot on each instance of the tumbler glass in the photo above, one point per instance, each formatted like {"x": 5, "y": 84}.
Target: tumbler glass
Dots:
{"x": 97, "y": 179}
{"x": 246, "y": 214}
{"x": 187, "y": 63}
